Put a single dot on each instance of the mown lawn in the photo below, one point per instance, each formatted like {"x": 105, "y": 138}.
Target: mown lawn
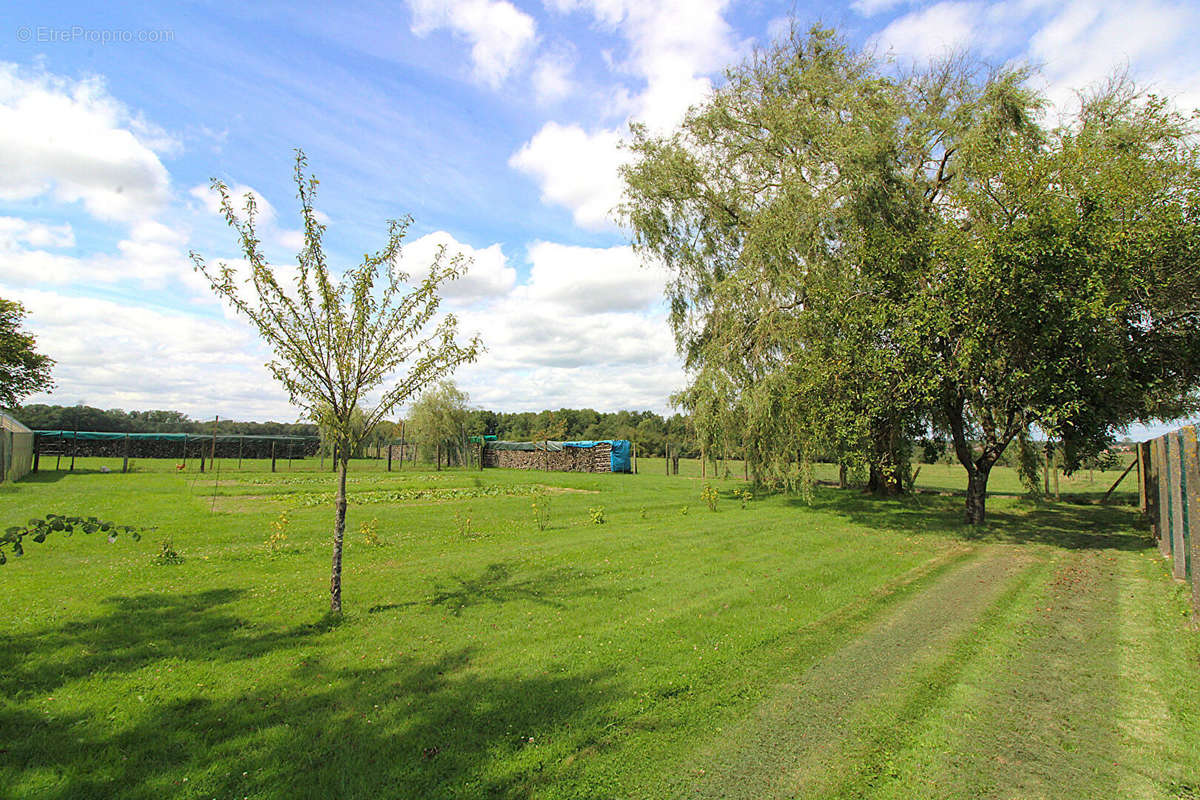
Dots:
{"x": 842, "y": 647}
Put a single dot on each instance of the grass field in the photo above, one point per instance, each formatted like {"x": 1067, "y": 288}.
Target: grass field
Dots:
{"x": 847, "y": 647}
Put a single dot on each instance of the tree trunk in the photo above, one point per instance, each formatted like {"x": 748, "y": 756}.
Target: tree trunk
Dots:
{"x": 339, "y": 533}
{"x": 842, "y": 476}
{"x": 977, "y": 495}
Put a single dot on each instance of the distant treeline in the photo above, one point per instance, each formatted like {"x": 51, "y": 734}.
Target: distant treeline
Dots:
{"x": 651, "y": 431}
{"x": 85, "y": 418}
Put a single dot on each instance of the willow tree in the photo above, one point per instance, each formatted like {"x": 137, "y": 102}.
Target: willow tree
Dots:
{"x": 779, "y": 213}
{"x": 338, "y": 339}
{"x": 858, "y": 256}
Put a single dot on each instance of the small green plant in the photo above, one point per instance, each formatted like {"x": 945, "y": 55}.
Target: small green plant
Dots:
{"x": 744, "y": 496}
{"x": 683, "y": 511}
{"x": 39, "y": 529}
{"x": 709, "y": 495}
{"x": 597, "y": 515}
{"x": 642, "y": 512}
{"x": 541, "y": 510}
{"x": 167, "y": 554}
{"x": 277, "y": 540}
{"x": 462, "y": 523}
{"x": 369, "y": 531}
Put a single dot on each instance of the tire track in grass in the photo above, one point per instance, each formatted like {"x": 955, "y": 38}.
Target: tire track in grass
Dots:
{"x": 794, "y": 745}
{"x": 1160, "y": 709}
{"x": 1052, "y": 706}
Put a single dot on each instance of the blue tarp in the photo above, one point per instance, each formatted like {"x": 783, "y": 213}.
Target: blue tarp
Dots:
{"x": 620, "y": 452}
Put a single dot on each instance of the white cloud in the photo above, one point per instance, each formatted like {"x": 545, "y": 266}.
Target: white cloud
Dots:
{"x": 73, "y": 141}
{"x": 590, "y": 279}
{"x": 931, "y": 32}
{"x": 501, "y": 35}
{"x": 106, "y": 358}
{"x": 672, "y": 47}
{"x": 869, "y": 8}
{"x": 150, "y": 256}
{"x": 552, "y": 78}
{"x": 15, "y": 232}
{"x": 488, "y": 276}
{"x": 575, "y": 169}
{"x": 1084, "y": 43}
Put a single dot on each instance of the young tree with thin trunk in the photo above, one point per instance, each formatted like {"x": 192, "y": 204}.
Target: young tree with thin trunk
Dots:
{"x": 337, "y": 339}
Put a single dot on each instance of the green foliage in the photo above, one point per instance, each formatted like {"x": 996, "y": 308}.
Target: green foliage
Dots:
{"x": 388, "y": 496}
{"x": 23, "y": 370}
{"x": 439, "y": 418}
{"x": 167, "y": 555}
{"x": 596, "y": 515}
{"x": 541, "y": 509}
{"x": 369, "y": 532}
{"x": 744, "y": 496}
{"x": 921, "y": 253}
{"x": 709, "y": 496}
{"x": 462, "y": 523}
{"x": 277, "y": 538}
{"x": 38, "y": 529}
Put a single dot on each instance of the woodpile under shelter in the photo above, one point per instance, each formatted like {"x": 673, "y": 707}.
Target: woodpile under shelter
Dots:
{"x": 604, "y": 455}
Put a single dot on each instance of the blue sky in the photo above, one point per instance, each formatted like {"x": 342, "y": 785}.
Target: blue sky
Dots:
{"x": 497, "y": 125}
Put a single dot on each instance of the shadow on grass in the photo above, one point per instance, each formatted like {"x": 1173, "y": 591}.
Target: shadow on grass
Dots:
{"x": 1060, "y": 524}
{"x": 500, "y": 583}
{"x": 409, "y": 727}
{"x": 135, "y": 632}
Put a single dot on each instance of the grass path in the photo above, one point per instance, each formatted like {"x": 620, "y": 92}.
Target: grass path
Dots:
{"x": 1018, "y": 673}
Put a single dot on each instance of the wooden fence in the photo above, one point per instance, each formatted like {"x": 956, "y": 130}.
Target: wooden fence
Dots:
{"x": 1169, "y": 490}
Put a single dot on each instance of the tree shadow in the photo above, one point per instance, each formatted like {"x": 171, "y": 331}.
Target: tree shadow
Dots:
{"x": 137, "y": 631}
{"x": 1064, "y": 525}
{"x": 498, "y": 584}
{"x": 414, "y": 726}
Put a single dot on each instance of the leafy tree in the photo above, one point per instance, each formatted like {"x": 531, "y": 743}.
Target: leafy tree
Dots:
{"x": 859, "y": 258}
{"x": 23, "y": 370}
{"x": 337, "y": 338}
{"x": 438, "y": 421}
{"x": 1062, "y": 289}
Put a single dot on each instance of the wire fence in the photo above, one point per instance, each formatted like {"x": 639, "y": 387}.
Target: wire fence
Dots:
{"x": 1169, "y": 491}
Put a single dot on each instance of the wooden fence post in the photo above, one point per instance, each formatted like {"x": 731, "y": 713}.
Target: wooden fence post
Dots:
{"x": 1185, "y": 533}
{"x": 272, "y": 455}
{"x": 389, "y": 466}
{"x": 212, "y": 456}
{"x": 1192, "y": 450}
{"x": 1046, "y": 472}
{"x": 125, "y": 461}
{"x": 1162, "y": 524}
